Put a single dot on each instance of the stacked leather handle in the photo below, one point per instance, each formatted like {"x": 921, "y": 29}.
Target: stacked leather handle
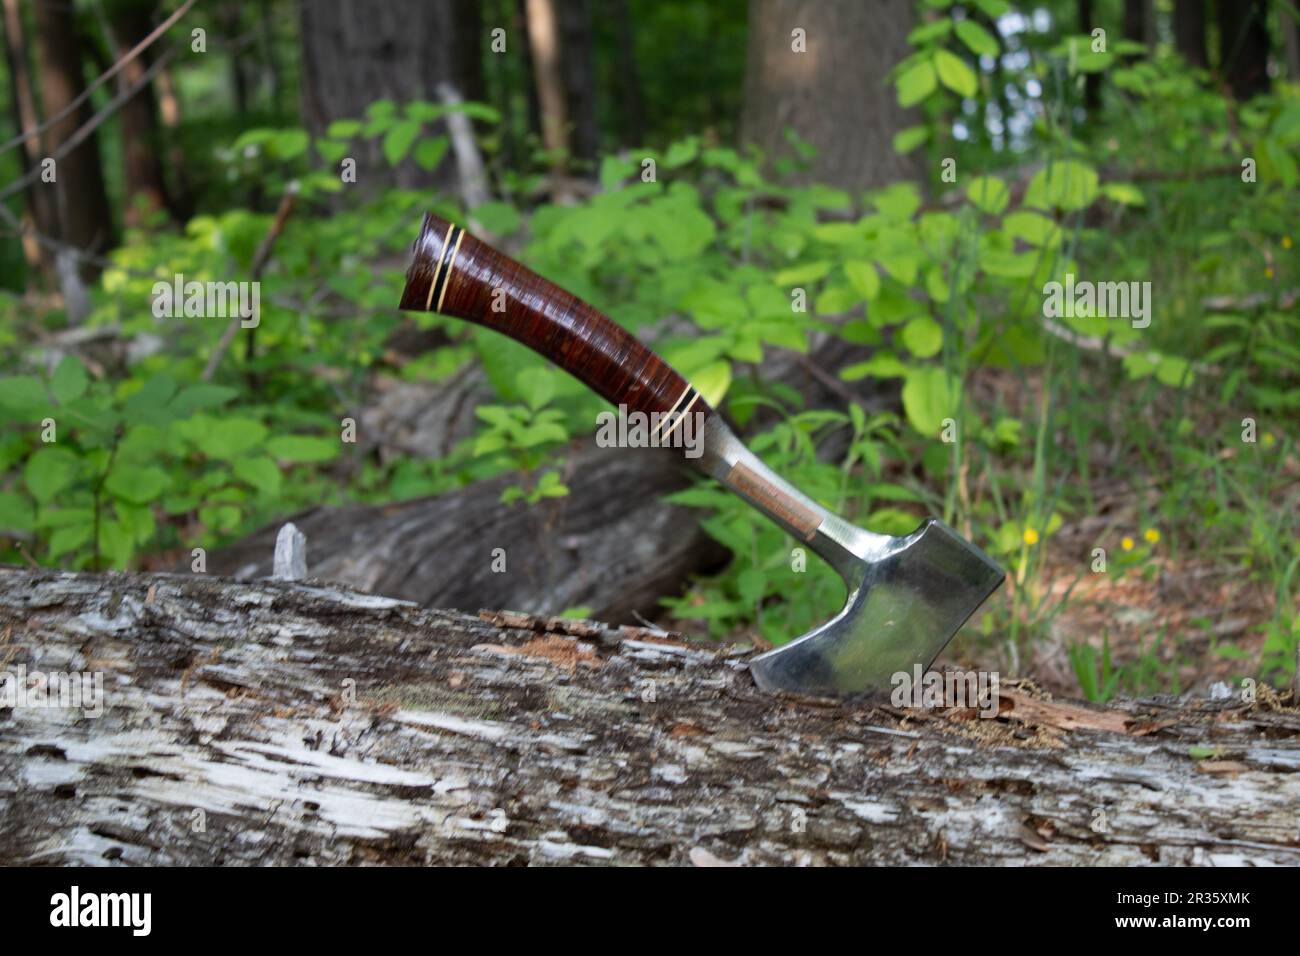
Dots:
{"x": 453, "y": 273}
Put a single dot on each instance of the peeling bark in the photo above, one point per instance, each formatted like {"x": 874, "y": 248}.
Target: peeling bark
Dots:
{"x": 289, "y": 722}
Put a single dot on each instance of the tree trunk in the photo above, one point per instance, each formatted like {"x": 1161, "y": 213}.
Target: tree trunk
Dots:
{"x": 169, "y": 114}
{"x": 400, "y": 50}
{"x": 80, "y": 199}
{"x": 631, "y": 100}
{"x": 39, "y": 209}
{"x": 1092, "y": 81}
{"x": 1140, "y": 21}
{"x": 548, "y": 77}
{"x": 292, "y": 723}
{"x": 834, "y": 95}
{"x": 578, "y": 63}
{"x": 1291, "y": 40}
{"x": 1244, "y": 47}
{"x": 1189, "y": 32}
{"x": 146, "y": 184}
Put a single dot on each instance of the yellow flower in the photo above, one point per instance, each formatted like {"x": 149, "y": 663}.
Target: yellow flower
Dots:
{"x": 1152, "y": 535}
{"x": 1268, "y": 273}
{"x": 1031, "y": 536}
{"x": 1127, "y": 543}
{"x": 1286, "y": 242}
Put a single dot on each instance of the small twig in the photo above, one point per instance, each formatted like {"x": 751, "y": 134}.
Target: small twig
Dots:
{"x": 260, "y": 259}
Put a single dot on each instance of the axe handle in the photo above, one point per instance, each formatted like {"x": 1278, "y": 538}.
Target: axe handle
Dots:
{"x": 453, "y": 273}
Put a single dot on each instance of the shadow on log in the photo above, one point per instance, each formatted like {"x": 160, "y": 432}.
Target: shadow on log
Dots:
{"x": 285, "y": 723}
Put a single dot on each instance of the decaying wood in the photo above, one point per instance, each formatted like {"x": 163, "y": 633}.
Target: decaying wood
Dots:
{"x": 289, "y": 722}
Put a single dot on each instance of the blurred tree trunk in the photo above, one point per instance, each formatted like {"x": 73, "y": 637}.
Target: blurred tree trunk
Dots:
{"x": 232, "y": 28}
{"x": 1091, "y": 81}
{"x": 1244, "y": 46}
{"x": 834, "y": 95}
{"x": 38, "y": 212}
{"x": 1140, "y": 21}
{"x": 81, "y": 213}
{"x": 270, "y": 60}
{"x": 1189, "y": 31}
{"x": 356, "y": 53}
{"x": 169, "y": 115}
{"x": 146, "y": 185}
{"x": 631, "y": 100}
{"x": 544, "y": 41}
{"x": 1291, "y": 40}
{"x": 577, "y": 62}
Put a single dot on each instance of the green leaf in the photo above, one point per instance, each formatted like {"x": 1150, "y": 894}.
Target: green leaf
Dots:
{"x": 1067, "y": 184}
{"x": 262, "y": 473}
{"x": 69, "y": 538}
{"x": 916, "y": 83}
{"x": 498, "y": 218}
{"x": 988, "y": 194}
{"x": 197, "y": 397}
{"x": 1124, "y": 193}
{"x": 137, "y": 485}
{"x": 302, "y": 448}
{"x": 979, "y": 40}
{"x": 929, "y": 396}
{"x": 331, "y": 150}
{"x": 928, "y": 32}
{"x": 802, "y": 274}
{"x": 955, "y": 74}
{"x": 229, "y": 438}
{"x": 922, "y": 336}
{"x": 682, "y": 152}
{"x": 289, "y": 144}
{"x": 429, "y": 152}
{"x": 1034, "y": 228}
{"x": 537, "y": 386}
{"x": 906, "y": 140}
{"x": 22, "y": 395}
{"x": 864, "y": 277}
{"x": 69, "y": 382}
{"x": 398, "y": 140}
{"x": 712, "y": 382}
{"x": 343, "y": 129}
{"x": 880, "y": 365}
{"x": 49, "y": 471}
{"x": 15, "y": 513}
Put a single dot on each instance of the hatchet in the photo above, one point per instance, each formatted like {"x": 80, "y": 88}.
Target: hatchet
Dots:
{"x": 907, "y": 596}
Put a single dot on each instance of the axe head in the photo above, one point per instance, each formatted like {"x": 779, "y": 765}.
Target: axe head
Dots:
{"x": 906, "y": 600}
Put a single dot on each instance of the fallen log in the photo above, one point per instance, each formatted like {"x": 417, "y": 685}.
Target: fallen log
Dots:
{"x": 293, "y": 722}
